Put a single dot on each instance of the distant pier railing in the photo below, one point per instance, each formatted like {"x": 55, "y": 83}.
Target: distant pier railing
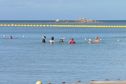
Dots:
{"x": 63, "y": 25}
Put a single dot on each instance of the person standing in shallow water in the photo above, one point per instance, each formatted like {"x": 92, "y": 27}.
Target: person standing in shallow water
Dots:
{"x": 43, "y": 39}
{"x": 94, "y": 41}
{"x": 72, "y": 41}
{"x": 61, "y": 40}
{"x": 52, "y": 40}
{"x": 11, "y": 37}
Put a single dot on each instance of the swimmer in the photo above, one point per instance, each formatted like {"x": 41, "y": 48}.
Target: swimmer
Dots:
{"x": 72, "y": 41}
{"x": 95, "y": 41}
{"x": 52, "y": 41}
{"x": 11, "y": 37}
{"x": 61, "y": 40}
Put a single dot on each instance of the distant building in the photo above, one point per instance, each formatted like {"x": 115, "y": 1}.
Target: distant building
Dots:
{"x": 85, "y": 20}
{"x": 57, "y": 20}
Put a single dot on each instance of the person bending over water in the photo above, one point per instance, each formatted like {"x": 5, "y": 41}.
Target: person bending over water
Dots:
{"x": 72, "y": 41}
{"x": 43, "y": 39}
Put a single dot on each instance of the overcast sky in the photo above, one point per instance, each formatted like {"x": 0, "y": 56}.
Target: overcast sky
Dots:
{"x": 62, "y": 9}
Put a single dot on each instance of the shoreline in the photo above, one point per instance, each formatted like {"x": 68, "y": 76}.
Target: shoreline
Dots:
{"x": 109, "y": 82}
{"x": 90, "y": 82}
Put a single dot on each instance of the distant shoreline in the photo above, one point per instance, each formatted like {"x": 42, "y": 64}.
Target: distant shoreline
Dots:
{"x": 59, "y": 21}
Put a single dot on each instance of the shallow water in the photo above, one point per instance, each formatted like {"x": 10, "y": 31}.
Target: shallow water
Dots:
{"x": 24, "y": 59}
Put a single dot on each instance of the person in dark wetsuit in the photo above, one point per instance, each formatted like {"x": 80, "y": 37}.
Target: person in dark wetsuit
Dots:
{"x": 61, "y": 40}
{"x": 43, "y": 39}
{"x": 11, "y": 37}
{"x": 52, "y": 38}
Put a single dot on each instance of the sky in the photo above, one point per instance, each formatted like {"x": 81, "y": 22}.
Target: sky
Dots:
{"x": 62, "y": 9}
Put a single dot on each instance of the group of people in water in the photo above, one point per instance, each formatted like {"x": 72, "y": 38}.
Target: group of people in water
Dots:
{"x": 7, "y": 37}
{"x": 71, "y": 41}
{"x": 52, "y": 40}
{"x": 61, "y": 40}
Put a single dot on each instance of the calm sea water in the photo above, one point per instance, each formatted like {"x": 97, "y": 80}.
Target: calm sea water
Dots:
{"x": 25, "y": 59}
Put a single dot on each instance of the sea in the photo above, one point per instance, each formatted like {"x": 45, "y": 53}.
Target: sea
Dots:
{"x": 25, "y": 59}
